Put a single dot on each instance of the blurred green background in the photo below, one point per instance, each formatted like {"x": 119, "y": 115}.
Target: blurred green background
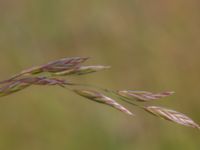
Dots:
{"x": 151, "y": 45}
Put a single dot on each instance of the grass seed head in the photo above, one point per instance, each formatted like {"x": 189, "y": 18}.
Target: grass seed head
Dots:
{"x": 42, "y": 75}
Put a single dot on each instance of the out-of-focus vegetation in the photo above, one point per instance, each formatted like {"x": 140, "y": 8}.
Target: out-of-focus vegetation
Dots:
{"x": 151, "y": 45}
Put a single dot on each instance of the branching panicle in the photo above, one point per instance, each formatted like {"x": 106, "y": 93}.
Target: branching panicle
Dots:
{"x": 48, "y": 74}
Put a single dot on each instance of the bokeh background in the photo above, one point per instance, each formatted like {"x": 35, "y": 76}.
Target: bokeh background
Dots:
{"x": 151, "y": 45}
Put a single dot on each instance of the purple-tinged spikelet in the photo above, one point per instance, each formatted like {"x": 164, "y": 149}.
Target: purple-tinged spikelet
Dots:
{"x": 81, "y": 70}
{"x": 143, "y": 96}
{"x": 172, "y": 116}
{"x": 98, "y": 97}
{"x": 51, "y": 67}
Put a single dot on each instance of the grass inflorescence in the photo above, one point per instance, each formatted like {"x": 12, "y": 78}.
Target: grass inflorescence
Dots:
{"x": 50, "y": 73}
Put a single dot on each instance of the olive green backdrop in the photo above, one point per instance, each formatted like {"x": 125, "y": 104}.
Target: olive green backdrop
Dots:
{"x": 151, "y": 45}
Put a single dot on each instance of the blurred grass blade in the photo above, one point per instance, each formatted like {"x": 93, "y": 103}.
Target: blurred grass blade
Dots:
{"x": 172, "y": 116}
{"x": 82, "y": 70}
{"x": 98, "y": 97}
{"x": 143, "y": 96}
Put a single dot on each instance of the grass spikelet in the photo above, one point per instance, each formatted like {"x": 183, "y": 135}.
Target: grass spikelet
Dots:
{"x": 172, "y": 116}
{"x": 44, "y": 81}
{"x": 20, "y": 84}
{"x": 100, "y": 98}
{"x": 12, "y": 87}
{"x": 81, "y": 70}
{"x": 51, "y": 67}
{"x": 143, "y": 96}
